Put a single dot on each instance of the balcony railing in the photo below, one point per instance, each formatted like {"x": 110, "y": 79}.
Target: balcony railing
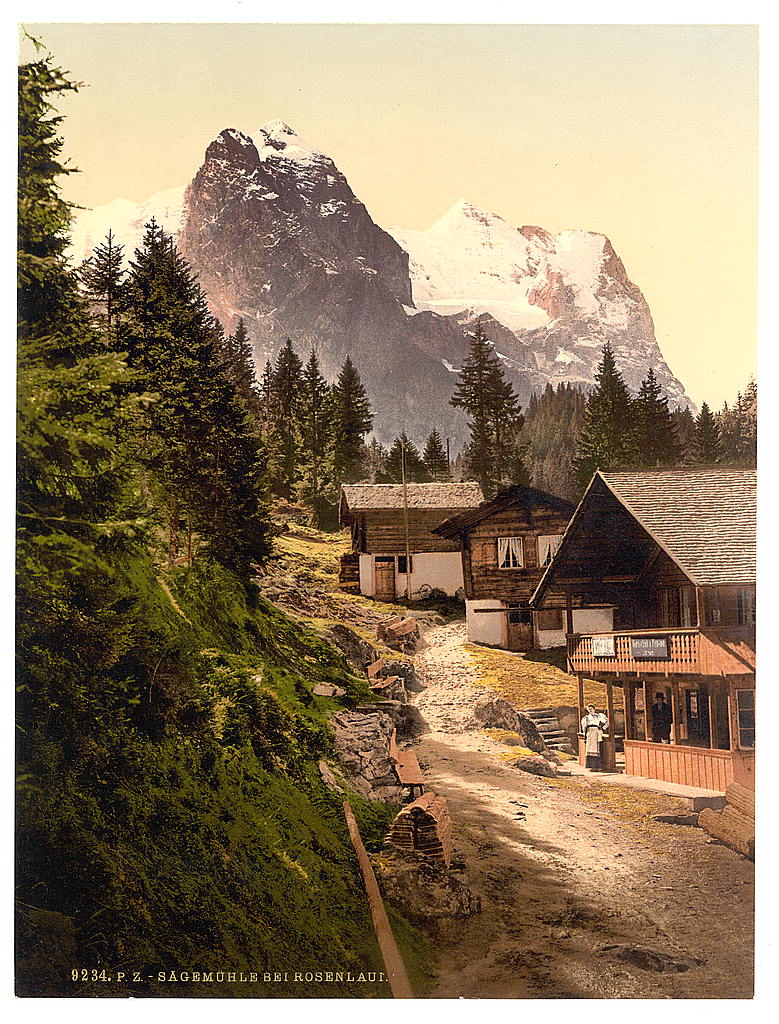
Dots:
{"x": 676, "y": 651}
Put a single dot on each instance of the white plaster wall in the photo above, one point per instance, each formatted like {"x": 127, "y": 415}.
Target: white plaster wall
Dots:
{"x": 585, "y": 620}
{"x": 488, "y": 628}
{"x": 441, "y": 569}
{"x": 366, "y": 575}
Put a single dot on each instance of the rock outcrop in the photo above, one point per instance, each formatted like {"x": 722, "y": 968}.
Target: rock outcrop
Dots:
{"x": 424, "y": 891}
{"x": 496, "y": 713}
{"x": 362, "y": 746}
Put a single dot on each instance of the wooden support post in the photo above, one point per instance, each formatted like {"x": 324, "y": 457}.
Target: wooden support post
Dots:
{"x": 580, "y": 681}
{"x": 647, "y": 713}
{"x": 630, "y": 709}
{"x": 712, "y": 716}
{"x": 610, "y": 746}
{"x": 676, "y": 713}
{"x": 568, "y": 612}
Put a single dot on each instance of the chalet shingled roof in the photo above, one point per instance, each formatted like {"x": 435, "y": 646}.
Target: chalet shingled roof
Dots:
{"x": 514, "y": 495}
{"x": 364, "y": 497}
{"x": 704, "y": 519}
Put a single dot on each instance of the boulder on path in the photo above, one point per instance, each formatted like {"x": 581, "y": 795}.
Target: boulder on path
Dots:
{"x": 406, "y": 718}
{"x": 496, "y": 713}
{"x": 406, "y": 671}
{"x": 651, "y": 959}
{"x": 357, "y": 651}
{"x": 536, "y": 766}
{"x": 422, "y": 889}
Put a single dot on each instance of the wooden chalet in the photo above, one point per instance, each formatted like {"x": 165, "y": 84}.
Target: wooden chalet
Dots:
{"x": 392, "y": 527}
{"x": 505, "y": 545}
{"x": 674, "y": 553}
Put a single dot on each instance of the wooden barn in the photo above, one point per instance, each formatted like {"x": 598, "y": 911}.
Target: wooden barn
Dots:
{"x": 505, "y": 545}
{"x": 393, "y": 547}
{"x": 674, "y": 552}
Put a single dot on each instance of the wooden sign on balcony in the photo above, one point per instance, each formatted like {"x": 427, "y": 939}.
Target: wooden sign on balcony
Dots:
{"x": 651, "y": 647}
{"x": 603, "y": 646}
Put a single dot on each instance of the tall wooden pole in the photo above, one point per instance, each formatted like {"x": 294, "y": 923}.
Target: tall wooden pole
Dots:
{"x": 405, "y": 519}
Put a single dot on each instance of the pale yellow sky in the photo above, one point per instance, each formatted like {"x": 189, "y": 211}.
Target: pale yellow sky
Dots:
{"x": 645, "y": 133}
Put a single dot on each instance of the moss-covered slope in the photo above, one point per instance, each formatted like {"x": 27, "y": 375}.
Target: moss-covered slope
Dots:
{"x": 191, "y": 832}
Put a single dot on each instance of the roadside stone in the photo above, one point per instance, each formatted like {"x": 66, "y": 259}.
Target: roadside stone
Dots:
{"x": 536, "y": 766}
{"x": 362, "y": 747}
{"x": 406, "y": 671}
{"x": 329, "y": 779}
{"x": 357, "y": 651}
{"x": 496, "y": 713}
{"x": 406, "y": 718}
{"x": 651, "y": 959}
{"x": 422, "y": 890}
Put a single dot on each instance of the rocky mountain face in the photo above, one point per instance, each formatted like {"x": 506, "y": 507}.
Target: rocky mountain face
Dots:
{"x": 277, "y": 237}
{"x": 554, "y": 299}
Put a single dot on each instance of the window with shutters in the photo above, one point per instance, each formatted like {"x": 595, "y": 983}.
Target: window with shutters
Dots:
{"x": 510, "y": 553}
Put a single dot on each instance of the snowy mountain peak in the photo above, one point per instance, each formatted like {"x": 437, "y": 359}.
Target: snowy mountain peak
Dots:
{"x": 233, "y": 135}
{"x": 465, "y": 211}
{"x": 277, "y": 141}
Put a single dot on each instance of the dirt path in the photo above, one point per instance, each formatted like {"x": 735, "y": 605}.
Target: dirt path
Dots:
{"x": 561, "y": 875}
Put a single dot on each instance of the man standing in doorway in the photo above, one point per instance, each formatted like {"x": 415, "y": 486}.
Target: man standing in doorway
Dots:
{"x": 662, "y": 719}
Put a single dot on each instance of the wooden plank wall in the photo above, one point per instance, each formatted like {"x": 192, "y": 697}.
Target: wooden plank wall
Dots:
{"x": 483, "y": 577}
{"x": 384, "y": 531}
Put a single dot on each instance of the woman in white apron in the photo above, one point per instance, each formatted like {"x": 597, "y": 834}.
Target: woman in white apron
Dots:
{"x": 594, "y": 726}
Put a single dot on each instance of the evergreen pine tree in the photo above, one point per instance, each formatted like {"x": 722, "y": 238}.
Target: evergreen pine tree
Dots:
{"x": 315, "y": 423}
{"x": 473, "y": 395}
{"x": 656, "y": 441}
{"x": 75, "y": 521}
{"x": 376, "y": 461}
{"x": 102, "y": 277}
{"x": 286, "y": 385}
{"x": 352, "y": 420}
{"x": 684, "y": 424}
{"x": 494, "y": 455}
{"x": 708, "y": 444}
{"x": 196, "y": 436}
{"x": 608, "y": 439}
{"x": 403, "y": 454}
{"x": 239, "y": 367}
{"x": 434, "y": 457}
{"x": 554, "y": 421}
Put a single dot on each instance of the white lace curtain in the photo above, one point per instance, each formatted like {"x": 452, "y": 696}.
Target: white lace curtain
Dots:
{"x": 510, "y": 552}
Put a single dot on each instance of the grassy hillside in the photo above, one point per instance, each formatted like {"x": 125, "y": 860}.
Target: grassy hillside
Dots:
{"x": 192, "y": 832}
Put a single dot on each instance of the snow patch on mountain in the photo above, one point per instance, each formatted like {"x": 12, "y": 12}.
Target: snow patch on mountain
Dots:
{"x": 127, "y": 220}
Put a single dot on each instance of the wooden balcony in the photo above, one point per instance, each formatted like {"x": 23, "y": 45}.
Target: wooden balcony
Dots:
{"x": 678, "y": 651}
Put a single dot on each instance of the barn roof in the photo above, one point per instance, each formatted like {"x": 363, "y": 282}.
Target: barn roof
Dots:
{"x": 364, "y": 497}
{"x": 515, "y": 495}
{"x": 704, "y": 519}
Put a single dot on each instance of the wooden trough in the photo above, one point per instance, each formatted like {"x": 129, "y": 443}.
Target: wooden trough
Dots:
{"x": 424, "y": 827}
